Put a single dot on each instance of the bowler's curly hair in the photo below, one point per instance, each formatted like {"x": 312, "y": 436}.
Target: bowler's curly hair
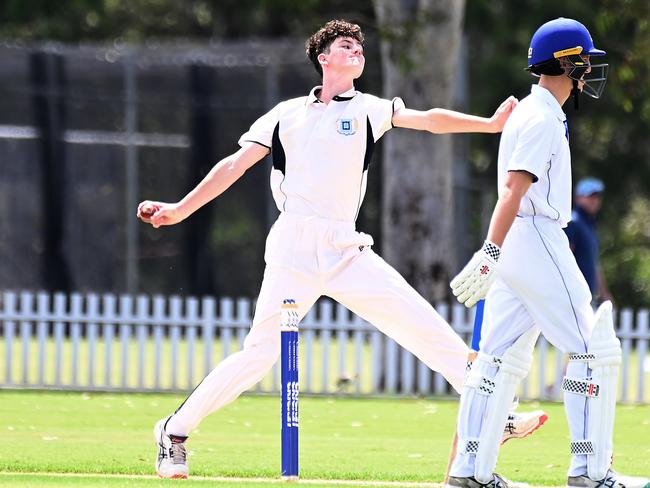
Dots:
{"x": 321, "y": 40}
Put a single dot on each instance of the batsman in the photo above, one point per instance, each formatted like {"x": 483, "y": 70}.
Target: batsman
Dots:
{"x": 532, "y": 280}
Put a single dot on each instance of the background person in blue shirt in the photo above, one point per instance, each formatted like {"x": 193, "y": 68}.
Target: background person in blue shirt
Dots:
{"x": 583, "y": 235}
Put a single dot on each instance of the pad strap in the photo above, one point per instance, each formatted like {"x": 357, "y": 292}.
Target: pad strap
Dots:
{"x": 609, "y": 354}
{"x": 583, "y": 358}
{"x": 470, "y": 445}
{"x": 585, "y": 387}
{"x": 492, "y": 361}
{"x": 582, "y": 447}
{"x": 483, "y": 385}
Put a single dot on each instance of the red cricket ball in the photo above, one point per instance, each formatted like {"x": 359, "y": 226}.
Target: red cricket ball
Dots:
{"x": 147, "y": 210}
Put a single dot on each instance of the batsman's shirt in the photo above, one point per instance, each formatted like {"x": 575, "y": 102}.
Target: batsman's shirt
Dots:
{"x": 535, "y": 139}
{"x": 321, "y": 152}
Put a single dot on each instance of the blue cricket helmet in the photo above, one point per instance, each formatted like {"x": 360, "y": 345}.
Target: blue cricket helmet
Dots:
{"x": 560, "y": 37}
{"x": 564, "y": 47}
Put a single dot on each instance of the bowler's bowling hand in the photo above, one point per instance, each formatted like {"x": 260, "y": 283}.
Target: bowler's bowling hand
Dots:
{"x": 473, "y": 282}
{"x": 159, "y": 213}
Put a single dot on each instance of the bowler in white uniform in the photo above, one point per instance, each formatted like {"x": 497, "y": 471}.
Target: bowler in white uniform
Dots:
{"x": 321, "y": 145}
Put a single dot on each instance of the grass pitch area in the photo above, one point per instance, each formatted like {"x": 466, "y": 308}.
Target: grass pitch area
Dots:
{"x": 98, "y": 438}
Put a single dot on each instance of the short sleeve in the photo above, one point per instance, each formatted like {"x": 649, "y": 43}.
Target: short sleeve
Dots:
{"x": 261, "y": 132}
{"x": 533, "y": 148}
{"x": 380, "y": 113}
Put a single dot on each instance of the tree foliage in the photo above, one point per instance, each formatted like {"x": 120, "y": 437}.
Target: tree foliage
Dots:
{"x": 134, "y": 20}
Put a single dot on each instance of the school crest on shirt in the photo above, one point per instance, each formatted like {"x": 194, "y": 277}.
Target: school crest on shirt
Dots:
{"x": 347, "y": 127}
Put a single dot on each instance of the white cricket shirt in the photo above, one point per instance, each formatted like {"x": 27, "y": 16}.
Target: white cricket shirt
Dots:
{"x": 535, "y": 139}
{"x": 321, "y": 152}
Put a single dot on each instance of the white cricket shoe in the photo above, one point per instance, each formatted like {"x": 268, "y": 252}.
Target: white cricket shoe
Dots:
{"x": 521, "y": 425}
{"x": 471, "y": 482}
{"x": 612, "y": 480}
{"x": 172, "y": 455}
{"x": 497, "y": 481}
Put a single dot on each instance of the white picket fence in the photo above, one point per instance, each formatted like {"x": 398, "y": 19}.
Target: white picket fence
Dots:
{"x": 142, "y": 343}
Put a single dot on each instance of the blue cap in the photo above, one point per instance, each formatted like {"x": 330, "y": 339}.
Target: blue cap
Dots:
{"x": 589, "y": 186}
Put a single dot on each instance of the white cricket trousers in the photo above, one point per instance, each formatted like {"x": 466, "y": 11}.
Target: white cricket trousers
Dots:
{"x": 538, "y": 284}
{"x": 308, "y": 257}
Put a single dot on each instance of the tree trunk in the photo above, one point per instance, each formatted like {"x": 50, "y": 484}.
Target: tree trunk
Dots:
{"x": 420, "y": 42}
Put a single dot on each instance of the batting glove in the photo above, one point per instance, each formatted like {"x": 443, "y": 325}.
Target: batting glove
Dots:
{"x": 473, "y": 282}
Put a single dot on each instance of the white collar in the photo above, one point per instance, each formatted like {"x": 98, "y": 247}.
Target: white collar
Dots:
{"x": 549, "y": 99}
{"x": 341, "y": 97}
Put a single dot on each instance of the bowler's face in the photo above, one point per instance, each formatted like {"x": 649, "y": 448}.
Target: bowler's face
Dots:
{"x": 346, "y": 54}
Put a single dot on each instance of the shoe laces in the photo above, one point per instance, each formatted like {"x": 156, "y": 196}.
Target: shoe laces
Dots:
{"x": 178, "y": 453}
{"x": 610, "y": 481}
{"x": 495, "y": 482}
{"x": 499, "y": 482}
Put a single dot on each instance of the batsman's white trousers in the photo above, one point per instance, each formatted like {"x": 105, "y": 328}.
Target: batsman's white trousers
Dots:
{"x": 308, "y": 257}
{"x": 538, "y": 284}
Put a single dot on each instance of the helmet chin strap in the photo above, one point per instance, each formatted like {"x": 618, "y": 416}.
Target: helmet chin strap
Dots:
{"x": 576, "y": 95}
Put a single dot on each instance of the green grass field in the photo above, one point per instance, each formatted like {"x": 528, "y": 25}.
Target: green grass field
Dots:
{"x": 404, "y": 440}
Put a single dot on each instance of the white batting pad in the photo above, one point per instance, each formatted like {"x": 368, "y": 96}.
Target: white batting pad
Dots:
{"x": 603, "y": 359}
{"x": 514, "y": 366}
{"x": 606, "y": 349}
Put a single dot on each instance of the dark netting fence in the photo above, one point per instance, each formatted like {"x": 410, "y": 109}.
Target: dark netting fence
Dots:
{"x": 88, "y": 131}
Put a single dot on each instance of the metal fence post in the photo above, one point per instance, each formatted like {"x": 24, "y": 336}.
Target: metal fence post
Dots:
{"x": 131, "y": 171}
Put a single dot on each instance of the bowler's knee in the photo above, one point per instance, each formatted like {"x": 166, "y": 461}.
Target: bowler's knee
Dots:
{"x": 265, "y": 353}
